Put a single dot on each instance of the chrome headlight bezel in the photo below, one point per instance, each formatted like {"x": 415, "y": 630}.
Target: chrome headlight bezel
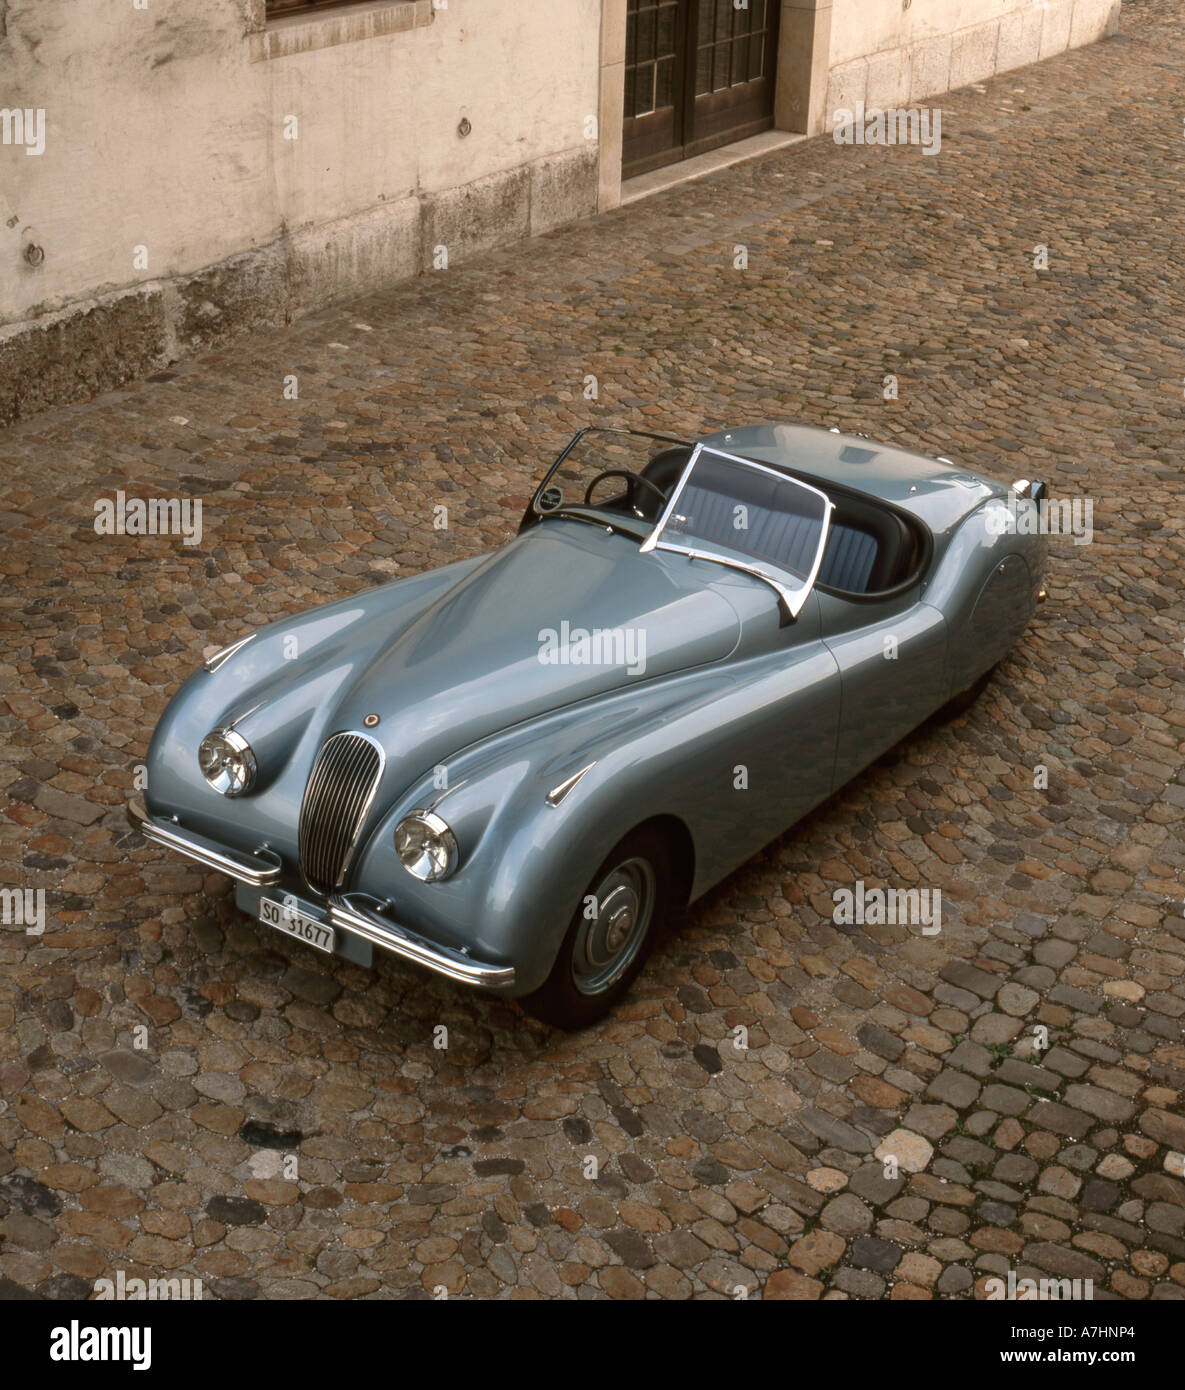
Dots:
{"x": 426, "y": 846}
{"x": 227, "y": 762}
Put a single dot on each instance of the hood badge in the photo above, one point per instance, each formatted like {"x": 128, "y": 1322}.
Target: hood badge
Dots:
{"x": 371, "y": 720}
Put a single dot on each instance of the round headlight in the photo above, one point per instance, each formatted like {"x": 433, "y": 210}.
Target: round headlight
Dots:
{"x": 426, "y": 847}
{"x": 227, "y": 762}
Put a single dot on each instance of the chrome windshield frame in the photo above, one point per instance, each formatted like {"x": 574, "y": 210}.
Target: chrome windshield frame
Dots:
{"x": 793, "y": 598}
{"x": 597, "y": 429}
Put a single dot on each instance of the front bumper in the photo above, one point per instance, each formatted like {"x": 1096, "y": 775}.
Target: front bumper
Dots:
{"x": 260, "y": 870}
{"x": 353, "y": 913}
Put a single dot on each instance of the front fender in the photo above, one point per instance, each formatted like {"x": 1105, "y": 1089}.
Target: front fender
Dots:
{"x": 281, "y": 718}
{"x": 523, "y": 865}
{"x": 672, "y": 751}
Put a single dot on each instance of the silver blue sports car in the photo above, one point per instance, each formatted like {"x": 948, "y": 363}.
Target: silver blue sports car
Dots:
{"x": 509, "y": 770}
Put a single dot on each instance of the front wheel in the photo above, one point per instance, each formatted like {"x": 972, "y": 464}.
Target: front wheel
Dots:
{"x": 616, "y": 924}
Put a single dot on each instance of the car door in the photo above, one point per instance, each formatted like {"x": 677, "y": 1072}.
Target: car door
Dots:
{"x": 764, "y": 746}
{"x": 892, "y": 660}
{"x": 791, "y": 737}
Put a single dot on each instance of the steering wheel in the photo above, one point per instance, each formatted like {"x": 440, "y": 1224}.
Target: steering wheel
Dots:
{"x": 631, "y": 480}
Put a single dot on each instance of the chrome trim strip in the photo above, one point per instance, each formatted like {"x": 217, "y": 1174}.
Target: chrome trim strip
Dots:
{"x": 212, "y": 663}
{"x": 652, "y": 539}
{"x": 787, "y": 596}
{"x": 350, "y": 914}
{"x": 557, "y": 794}
{"x": 446, "y": 791}
{"x": 257, "y": 872}
{"x": 238, "y": 719}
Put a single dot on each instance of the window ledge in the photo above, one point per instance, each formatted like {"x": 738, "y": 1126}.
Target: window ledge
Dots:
{"x": 302, "y": 33}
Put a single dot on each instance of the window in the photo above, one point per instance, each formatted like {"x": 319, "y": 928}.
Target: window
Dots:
{"x": 278, "y": 7}
{"x": 332, "y": 22}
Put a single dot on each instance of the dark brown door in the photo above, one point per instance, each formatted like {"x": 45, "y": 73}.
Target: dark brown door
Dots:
{"x": 698, "y": 73}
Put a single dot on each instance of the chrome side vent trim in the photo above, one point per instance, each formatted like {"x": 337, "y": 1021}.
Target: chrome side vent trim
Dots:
{"x": 557, "y": 794}
{"x": 337, "y": 796}
{"x": 216, "y": 659}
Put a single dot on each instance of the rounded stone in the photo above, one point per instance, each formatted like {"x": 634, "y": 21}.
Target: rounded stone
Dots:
{"x": 1017, "y": 1000}
{"x": 911, "y": 1151}
{"x": 846, "y": 1215}
{"x": 827, "y": 1179}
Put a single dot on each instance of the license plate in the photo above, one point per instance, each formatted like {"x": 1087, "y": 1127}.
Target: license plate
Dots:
{"x": 287, "y": 918}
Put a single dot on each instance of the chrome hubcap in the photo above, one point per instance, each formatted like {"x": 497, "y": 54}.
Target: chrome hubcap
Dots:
{"x": 613, "y": 927}
{"x": 620, "y": 924}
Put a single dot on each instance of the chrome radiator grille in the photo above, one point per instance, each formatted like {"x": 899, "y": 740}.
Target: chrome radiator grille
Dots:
{"x": 337, "y": 797}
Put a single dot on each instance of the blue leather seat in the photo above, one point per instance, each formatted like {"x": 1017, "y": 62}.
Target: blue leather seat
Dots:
{"x": 783, "y": 538}
{"x": 848, "y": 559}
{"x": 869, "y": 548}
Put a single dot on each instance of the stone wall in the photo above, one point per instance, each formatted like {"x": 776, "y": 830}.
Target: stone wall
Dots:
{"x": 171, "y": 207}
{"x": 888, "y": 54}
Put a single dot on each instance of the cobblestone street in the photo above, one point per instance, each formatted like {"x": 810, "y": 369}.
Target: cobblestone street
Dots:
{"x": 718, "y": 1169}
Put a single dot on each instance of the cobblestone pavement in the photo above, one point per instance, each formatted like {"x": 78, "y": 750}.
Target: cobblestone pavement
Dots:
{"x": 717, "y": 1168}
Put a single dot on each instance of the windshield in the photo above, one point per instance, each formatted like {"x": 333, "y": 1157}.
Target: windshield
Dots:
{"x": 643, "y": 469}
{"x": 672, "y": 495}
{"x": 749, "y": 516}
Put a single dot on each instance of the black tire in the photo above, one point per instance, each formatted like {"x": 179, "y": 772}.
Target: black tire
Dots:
{"x": 560, "y": 1000}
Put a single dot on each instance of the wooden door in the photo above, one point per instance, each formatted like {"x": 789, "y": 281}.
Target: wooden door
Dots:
{"x": 698, "y": 74}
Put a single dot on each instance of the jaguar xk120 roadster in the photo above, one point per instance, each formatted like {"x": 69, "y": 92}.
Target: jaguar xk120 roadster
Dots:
{"x": 510, "y": 769}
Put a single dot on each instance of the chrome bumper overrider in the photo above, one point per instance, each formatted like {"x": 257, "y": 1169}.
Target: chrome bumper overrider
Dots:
{"x": 352, "y": 912}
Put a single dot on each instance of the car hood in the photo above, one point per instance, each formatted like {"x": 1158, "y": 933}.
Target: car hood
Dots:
{"x": 564, "y": 612}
